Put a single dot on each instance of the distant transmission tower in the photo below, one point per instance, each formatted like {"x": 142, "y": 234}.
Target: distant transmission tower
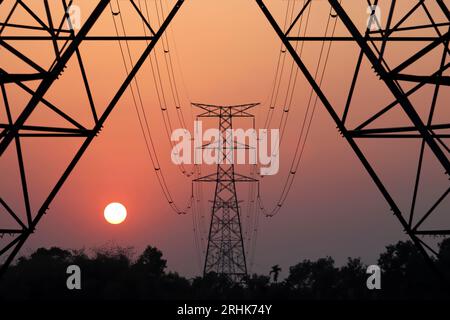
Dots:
{"x": 225, "y": 251}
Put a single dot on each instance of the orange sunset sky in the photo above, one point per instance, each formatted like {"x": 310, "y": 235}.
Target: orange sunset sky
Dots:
{"x": 223, "y": 52}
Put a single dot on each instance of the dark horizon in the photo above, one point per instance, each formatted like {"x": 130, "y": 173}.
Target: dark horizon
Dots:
{"x": 112, "y": 273}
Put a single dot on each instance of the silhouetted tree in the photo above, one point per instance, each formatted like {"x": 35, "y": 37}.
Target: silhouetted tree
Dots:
{"x": 352, "y": 280}
{"x": 275, "y": 271}
{"x": 151, "y": 262}
{"x": 314, "y": 279}
{"x": 405, "y": 273}
{"x": 111, "y": 273}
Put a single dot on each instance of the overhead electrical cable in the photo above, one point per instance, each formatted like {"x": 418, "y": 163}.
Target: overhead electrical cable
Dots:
{"x": 144, "y": 125}
{"x": 304, "y": 132}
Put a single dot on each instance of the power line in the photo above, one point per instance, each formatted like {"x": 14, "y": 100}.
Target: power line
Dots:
{"x": 304, "y": 133}
{"x": 145, "y": 128}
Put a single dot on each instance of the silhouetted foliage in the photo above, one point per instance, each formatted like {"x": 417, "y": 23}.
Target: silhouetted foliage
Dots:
{"x": 314, "y": 279}
{"x": 352, "y": 280}
{"x": 151, "y": 262}
{"x": 276, "y": 272}
{"x": 112, "y": 273}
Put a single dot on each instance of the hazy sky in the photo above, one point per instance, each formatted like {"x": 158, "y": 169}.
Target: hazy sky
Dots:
{"x": 223, "y": 52}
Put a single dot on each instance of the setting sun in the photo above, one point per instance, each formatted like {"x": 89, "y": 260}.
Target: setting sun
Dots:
{"x": 115, "y": 213}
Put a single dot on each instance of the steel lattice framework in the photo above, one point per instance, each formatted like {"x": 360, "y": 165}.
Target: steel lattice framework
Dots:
{"x": 225, "y": 252}
{"x": 53, "y": 28}
{"x": 402, "y": 81}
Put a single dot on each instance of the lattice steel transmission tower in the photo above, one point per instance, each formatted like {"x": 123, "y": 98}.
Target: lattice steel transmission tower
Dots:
{"x": 225, "y": 252}
{"x": 40, "y": 45}
{"x": 406, "y": 46}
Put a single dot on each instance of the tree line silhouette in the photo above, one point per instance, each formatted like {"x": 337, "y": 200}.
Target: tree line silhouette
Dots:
{"x": 111, "y": 273}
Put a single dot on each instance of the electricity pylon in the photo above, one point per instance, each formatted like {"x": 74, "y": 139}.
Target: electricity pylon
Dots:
{"x": 48, "y": 25}
{"x": 403, "y": 74}
{"x": 225, "y": 252}
{"x": 36, "y": 78}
